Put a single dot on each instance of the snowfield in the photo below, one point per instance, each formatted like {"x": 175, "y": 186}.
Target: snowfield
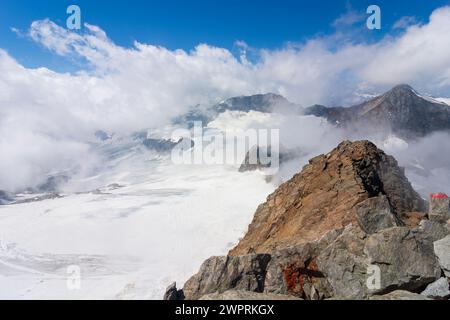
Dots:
{"x": 129, "y": 240}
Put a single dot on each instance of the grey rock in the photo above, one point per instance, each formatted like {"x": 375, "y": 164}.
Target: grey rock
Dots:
{"x": 294, "y": 271}
{"x": 344, "y": 264}
{"x": 432, "y": 231}
{"x": 400, "y": 295}
{"x": 262, "y": 157}
{"x": 442, "y": 251}
{"x": 219, "y": 274}
{"x": 406, "y": 261}
{"x": 246, "y": 295}
{"x": 375, "y": 214}
{"x": 172, "y": 293}
{"x": 438, "y": 289}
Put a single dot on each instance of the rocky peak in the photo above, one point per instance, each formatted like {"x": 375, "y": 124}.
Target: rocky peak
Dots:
{"x": 401, "y": 110}
{"x": 268, "y": 102}
{"x": 402, "y": 89}
{"x": 325, "y": 196}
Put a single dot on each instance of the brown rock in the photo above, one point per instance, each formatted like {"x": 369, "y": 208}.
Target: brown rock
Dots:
{"x": 413, "y": 219}
{"x": 294, "y": 270}
{"x": 325, "y": 195}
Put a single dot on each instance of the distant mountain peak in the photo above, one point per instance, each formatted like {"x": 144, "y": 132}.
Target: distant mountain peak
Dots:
{"x": 265, "y": 102}
{"x": 401, "y": 110}
{"x": 401, "y": 88}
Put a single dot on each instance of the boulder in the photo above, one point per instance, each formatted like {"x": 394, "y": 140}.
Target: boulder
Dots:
{"x": 442, "y": 251}
{"x": 400, "y": 295}
{"x": 231, "y": 295}
{"x": 438, "y": 289}
{"x": 432, "y": 231}
{"x": 219, "y": 274}
{"x": 344, "y": 264}
{"x": 406, "y": 261}
{"x": 374, "y": 214}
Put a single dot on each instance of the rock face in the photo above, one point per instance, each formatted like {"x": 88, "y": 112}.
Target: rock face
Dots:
{"x": 219, "y": 274}
{"x": 374, "y": 214}
{"x": 172, "y": 293}
{"x": 401, "y": 111}
{"x": 325, "y": 195}
{"x": 406, "y": 261}
{"x": 442, "y": 250}
{"x": 262, "y": 157}
{"x": 335, "y": 231}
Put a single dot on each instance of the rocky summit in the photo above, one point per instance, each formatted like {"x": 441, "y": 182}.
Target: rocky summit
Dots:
{"x": 348, "y": 226}
{"x": 401, "y": 110}
{"x": 330, "y": 193}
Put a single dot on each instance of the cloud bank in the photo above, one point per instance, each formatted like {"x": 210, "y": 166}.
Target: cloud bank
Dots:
{"x": 47, "y": 118}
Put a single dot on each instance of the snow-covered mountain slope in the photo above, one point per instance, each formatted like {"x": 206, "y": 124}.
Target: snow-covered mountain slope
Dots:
{"x": 152, "y": 221}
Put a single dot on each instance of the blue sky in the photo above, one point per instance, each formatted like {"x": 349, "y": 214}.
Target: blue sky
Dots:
{"x": 184, "y": 24}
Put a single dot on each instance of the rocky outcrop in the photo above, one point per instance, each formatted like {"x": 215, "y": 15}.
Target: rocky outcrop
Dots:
{"x": 219, "y": 274}
{"x": 325, "y": 195}
{"x": 172, "y": 293}
{"x": 337, "y": 230}
{"x": 442, "y": 250}
{"x": 261, "y": 157}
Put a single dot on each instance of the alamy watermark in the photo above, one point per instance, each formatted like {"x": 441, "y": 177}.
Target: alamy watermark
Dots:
{"x": 73, "y": 281}
{"x": 73, "y": 22}
{"x": 200, "y": 146}
{"x": 374, "y": 20}
{"x": 374, "y": 277}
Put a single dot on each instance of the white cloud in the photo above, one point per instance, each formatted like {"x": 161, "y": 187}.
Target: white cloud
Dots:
{"x": 405, "y": 22}
{"x": 126, "y": 89}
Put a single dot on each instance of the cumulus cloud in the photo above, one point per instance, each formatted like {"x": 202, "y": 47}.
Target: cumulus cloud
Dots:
{"x": 47, "y": 118}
